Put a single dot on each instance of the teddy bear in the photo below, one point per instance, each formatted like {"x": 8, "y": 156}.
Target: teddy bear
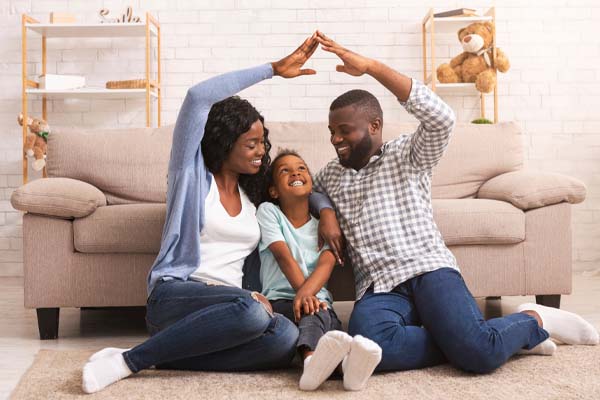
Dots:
{"x": 35, "y": 141}
{"x": 477, "y": 63}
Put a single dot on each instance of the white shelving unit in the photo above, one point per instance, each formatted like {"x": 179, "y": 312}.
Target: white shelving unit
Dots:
{"x": 148, "y": 29}
{"x": 92, "y": 30}
{"x": 446, "y": 25}
{"x": 91, "y": 92}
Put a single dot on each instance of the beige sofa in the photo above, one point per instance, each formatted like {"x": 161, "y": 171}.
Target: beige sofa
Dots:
{"x": 92, "y": 229}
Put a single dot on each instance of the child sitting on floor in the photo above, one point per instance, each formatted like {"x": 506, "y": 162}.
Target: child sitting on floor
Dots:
{"x": 294, "y": 273}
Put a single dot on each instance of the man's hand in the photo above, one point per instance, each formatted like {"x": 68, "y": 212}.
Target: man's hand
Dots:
{"x": 330, "y": 232}
{"x": 354, "y": 64}
{"x": 307, "y": 305}
{"x": 290, "y": 66}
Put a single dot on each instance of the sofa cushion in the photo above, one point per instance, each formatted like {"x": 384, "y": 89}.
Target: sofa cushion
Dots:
{"x": 128, "y": 165}
{"x": 126, "y": 228}
{"x": 137, "y": 228}
{"x": 476, "y": 153}
{"x": 58, "y": 197}
{"x": 530, "y": 189}
{"x": 478, "y": 221}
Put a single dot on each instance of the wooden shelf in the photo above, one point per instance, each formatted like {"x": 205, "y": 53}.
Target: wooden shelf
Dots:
{"x": 432, "y": 26}
{"x": 149, "y": 29}
{"x": 466, "y": 87}
{"x": 91, "y": 30}
{"x": 91, "y": 92}
{"x": 453, "y": 24}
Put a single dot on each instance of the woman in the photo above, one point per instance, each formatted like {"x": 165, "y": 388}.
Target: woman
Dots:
{"x": 198, "y": 315}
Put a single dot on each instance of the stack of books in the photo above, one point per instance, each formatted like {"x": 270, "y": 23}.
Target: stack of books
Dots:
{"x": 459, "y": 12}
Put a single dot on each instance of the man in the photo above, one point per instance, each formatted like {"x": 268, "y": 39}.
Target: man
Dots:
{"x": 411, "y": 298}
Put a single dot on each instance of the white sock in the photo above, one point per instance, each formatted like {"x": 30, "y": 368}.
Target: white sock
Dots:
{"x": 546, "y": 348}
{"x": 104, "y": 371}
{"x": 108, "y": 351}
{"x": 562, "y": 325}
{"x": 307, "y": 360}
{"x": 364, "y": 356}
{"x": 330, "y": 351}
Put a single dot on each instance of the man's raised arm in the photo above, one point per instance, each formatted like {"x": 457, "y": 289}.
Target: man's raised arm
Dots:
{"x": 437, "y": 118}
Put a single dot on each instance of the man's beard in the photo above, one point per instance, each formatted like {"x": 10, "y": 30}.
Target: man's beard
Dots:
{"x": 358, "y": 153}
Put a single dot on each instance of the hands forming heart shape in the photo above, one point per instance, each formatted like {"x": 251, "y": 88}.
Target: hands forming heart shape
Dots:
{"x": 291, "y": 66}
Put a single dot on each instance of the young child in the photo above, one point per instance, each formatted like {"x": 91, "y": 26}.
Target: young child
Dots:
{"x": 294, "y": 273}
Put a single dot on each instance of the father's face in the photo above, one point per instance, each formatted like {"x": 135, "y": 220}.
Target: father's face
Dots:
{"x": 351, "y": 135}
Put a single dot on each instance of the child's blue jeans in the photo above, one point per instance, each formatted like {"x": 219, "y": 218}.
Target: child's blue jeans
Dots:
{"x": 433, "y": 318}
{"x": 311, "y": 327}
{"x": 196, "y": 326}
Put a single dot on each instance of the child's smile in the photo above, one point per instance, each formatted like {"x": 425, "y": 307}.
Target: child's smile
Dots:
{"x": 291, "y": 179}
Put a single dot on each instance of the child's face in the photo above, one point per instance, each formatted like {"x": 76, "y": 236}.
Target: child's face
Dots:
{"x": 291, "y": 179}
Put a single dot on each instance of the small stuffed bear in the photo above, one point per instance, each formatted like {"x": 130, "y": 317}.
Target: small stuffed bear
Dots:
{"x": 35, "y": 141}
{"x": 476, "y": 64}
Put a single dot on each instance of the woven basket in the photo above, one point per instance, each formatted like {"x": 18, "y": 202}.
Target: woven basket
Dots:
{"x": 127, "y": 84}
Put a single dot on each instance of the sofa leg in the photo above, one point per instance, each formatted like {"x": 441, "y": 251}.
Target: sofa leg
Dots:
{"x": 548, "y": 300}
{"x": 48, "y": 322}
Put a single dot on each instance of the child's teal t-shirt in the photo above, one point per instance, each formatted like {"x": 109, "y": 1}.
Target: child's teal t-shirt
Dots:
{"x": 302, "y": 242}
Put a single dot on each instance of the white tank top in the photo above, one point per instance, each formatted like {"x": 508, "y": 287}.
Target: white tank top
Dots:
{"x": 225, "y": 241}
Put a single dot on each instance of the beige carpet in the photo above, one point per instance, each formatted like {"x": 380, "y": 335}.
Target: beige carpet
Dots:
{"x": 572, "y": 373}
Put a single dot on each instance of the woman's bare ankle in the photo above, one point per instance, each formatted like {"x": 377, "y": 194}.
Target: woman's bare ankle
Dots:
{"x": 534, "y": 315}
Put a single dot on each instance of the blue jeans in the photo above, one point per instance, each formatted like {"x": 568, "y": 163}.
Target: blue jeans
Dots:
{"x": 433, "y": 318}
{"x": 195, "y": 326}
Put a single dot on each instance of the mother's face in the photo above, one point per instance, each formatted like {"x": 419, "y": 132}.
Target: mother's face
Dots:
{"x": 247, "y": 152}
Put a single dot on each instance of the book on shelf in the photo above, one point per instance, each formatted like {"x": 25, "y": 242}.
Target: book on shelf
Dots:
{"x": 459, "y": 12}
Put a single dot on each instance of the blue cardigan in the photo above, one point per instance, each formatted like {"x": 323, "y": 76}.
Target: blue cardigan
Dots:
{"x": 189, "y": 180}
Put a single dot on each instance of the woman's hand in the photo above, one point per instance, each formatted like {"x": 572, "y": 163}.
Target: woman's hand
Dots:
{"x": 354, "y": 64}
{"x": 307, "y": 305}
{"x": 290, "y": 66}
{"x": 330, "y": 232}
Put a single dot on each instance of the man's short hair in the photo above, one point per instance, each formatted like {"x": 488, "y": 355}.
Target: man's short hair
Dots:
{"x": 362, "y": 100}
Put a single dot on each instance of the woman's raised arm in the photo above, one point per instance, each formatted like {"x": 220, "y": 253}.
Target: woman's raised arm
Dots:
{"x": 189, "y": 128}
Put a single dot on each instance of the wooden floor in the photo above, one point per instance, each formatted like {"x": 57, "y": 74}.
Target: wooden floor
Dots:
{"x": 95, "y": 329}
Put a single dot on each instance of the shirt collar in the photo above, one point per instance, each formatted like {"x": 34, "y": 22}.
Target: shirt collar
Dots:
{"x": 377, "y": 156}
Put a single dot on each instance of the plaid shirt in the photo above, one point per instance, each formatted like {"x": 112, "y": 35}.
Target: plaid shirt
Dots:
{"x": 384, "y": 209}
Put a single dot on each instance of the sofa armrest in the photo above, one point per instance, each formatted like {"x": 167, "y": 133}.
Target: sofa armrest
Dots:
{"x": 58, "y": 197}
{"x": 530, "y": 189}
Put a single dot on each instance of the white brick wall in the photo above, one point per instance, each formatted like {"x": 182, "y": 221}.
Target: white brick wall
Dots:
{"x": 551, "y": 90}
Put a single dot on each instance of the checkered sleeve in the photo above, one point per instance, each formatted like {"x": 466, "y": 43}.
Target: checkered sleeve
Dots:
{"x": 437, "y": 119}
{"x": 318, "y": 198}
{"x": 319, "y": 181}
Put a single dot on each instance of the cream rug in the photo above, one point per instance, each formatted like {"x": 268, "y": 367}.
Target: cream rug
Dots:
{"x": 572, "y": 373}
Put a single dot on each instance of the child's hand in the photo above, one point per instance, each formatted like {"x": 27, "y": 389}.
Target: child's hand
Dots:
{"x": 307, "y": 305}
